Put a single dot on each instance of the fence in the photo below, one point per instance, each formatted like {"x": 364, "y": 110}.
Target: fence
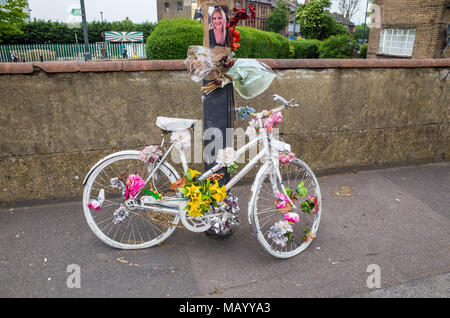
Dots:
{"x": 62, "y": 52}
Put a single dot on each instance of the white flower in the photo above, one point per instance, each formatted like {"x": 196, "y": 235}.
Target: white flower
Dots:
{"x": 181, "y": 139}
{"x": 150, "y": 153}
{"x": 277, "y": 232}
{"x": 250, "y": 132}
{"x": 284, "y": 226}
{"x": 226, "y": 156}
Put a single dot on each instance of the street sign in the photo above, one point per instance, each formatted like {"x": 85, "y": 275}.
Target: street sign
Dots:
{"x": 115, "y": 36}
{"x": 291, "y": 27}
{"x": 75, "y": 12}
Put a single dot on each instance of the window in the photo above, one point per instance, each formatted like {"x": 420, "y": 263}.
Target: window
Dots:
{"x": 399, "y": 42}
{"x": 180, "y": 6}
{"x": 166, "y": 7}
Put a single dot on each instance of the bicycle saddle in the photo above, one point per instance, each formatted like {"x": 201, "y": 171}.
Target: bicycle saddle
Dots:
{"x": 174, "y": 124}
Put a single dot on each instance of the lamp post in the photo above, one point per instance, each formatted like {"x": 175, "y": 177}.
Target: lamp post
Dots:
{"x": 87, "y": 54}
{"x": 295, "y": 18}
{"x": 103, "y": 29}
{"x": 365, "y": 17}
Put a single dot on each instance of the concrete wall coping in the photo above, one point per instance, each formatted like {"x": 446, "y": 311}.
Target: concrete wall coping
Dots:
{"x": 178, "y": 65}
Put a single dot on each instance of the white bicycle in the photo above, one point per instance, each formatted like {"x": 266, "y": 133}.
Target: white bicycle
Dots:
{"x": 284, "y": 209}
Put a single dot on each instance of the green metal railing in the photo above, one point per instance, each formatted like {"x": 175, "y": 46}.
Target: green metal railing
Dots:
{"x": 65, "y": 52}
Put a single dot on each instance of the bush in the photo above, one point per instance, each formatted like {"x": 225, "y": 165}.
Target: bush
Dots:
{"x": 338, "y": 47}
{"x": 306, "y": 49}
{"x": 171, "y": 39}
{"x": 363, "y": 50}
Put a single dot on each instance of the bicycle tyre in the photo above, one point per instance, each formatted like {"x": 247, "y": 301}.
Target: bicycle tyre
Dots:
{"x": 264, "y": 213}
{"x": 142, "y": 228}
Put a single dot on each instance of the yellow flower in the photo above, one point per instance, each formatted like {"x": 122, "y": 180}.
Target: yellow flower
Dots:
{"x": 193, "y": 172}
{"x": 195, "y": 212}
{"x": 220, "y": 194}
{"x": 197, "y": 198}
{"x": 192, "y": 189}
{"x": 213, "y": 187}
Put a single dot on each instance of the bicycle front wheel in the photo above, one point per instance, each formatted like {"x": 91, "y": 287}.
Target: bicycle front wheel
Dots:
{"x": 281, "y": 230}
{"x": 116, "y": 223}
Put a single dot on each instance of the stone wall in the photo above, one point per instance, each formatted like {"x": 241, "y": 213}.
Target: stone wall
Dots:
{"x": 58, "y": 119}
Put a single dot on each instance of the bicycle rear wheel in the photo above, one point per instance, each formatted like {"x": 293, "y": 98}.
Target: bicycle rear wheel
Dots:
{"x": 118, "y": 224}
{"x": 270, "y": 222}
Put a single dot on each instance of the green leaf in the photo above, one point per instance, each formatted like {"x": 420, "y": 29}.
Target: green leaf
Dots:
{"x": 188, "y": 176}
{"x": 233, "y": 168}
{"x": 301, "y": 190}
{"x": 289, "y": 236}
{"x": 288, "y": 191}
{"x": 305, "y": 207}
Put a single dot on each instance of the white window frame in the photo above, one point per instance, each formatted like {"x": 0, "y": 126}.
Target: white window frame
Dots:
{"x": 397, "y": 42}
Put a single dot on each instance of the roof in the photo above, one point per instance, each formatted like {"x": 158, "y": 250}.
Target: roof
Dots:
{"x": 340, "y": 18}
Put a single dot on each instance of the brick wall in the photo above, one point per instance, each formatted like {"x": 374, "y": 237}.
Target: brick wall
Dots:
{"x": 173, "y": 10}
{"x": 428, "y": 18}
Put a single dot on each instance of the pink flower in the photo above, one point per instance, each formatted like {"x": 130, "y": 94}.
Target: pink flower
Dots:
{"x": 285, "y": 159}
{"x": 292, "y": 217}
{"x": 277, "y": 118}
{"x": 94, "y": 204}
{"x": 284, "y": 200}
{"x": 272, "y": 120}
{"x": 150, "y": 153}
{"x": 314, "y": 201}
{"x": 134, "y": 184}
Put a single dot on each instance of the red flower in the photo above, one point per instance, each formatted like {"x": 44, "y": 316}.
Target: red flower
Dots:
{"x": 252, "y": 11}
{"x": 240, "y": 14}
{"x": 236, "y": 35}
{"x": 235, "y": 38}
{"x": 232, "y": 23}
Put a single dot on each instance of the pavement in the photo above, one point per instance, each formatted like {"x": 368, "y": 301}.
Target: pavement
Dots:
{"x": 394, "y": 230}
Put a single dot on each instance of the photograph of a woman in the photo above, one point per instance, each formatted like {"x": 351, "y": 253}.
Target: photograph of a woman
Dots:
{"x": 218, "y": 32}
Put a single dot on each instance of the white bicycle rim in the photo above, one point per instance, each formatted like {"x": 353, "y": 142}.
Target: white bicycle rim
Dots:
{"x": 262, "y": 233}
{"x": 93, "y": 225}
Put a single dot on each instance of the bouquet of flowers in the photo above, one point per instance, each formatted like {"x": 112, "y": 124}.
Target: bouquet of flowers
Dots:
{"x": 202, "y": 194}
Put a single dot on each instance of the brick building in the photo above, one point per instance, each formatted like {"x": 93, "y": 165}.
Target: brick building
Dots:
{"x": 408, "y": 28}
{"x": 262, "y": 9}
{"x": 171, "y": 9}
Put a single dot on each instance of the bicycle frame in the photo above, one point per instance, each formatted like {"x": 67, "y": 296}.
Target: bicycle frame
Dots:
{"x": 268, "y": 143}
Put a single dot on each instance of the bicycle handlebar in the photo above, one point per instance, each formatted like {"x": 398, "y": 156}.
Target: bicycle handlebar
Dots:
{"x": 277, "y": 98}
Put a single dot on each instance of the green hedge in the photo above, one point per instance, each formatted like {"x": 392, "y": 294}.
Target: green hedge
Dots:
{"x": 171, "y": 39}
{"x": 259, "y": 44}
{"x": 363, "y": 50}
{"x": 306, "y": 49}
{"x": 337, "y": 47}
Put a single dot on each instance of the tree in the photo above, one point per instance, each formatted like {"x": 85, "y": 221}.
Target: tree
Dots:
{"x": 12, "y": 17}
{"x": 348, "y": 9}
{"x": 279, "y": 18}
{"x": 316, "y": 22}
